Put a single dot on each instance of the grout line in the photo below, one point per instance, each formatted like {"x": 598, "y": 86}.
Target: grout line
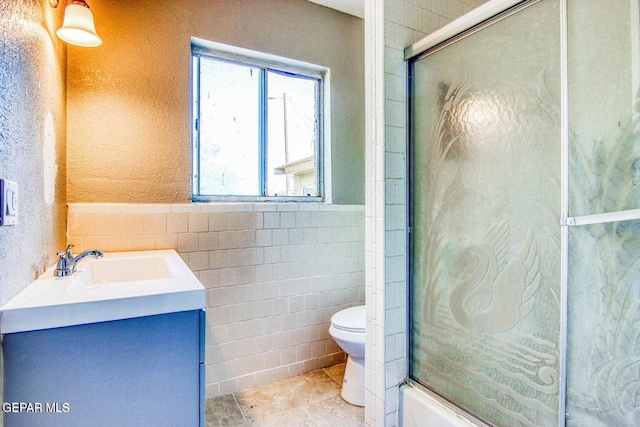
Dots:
{"x": 313, "y": 420}
{"x": 244, "y": 417}
{"x": 330, "y": 376}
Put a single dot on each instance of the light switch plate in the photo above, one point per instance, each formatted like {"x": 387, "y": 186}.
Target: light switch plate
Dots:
{"x": 8, "y": 202}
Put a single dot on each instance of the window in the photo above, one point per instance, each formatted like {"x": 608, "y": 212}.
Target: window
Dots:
{"x": 258, "y": 126}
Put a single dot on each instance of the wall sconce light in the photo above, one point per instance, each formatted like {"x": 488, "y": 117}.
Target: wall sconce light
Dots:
{"x": 78, "y": 27}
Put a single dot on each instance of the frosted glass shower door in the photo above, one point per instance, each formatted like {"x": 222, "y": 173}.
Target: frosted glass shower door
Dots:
{"x": 603, "y": 348}
{"x": 485, "y": 219}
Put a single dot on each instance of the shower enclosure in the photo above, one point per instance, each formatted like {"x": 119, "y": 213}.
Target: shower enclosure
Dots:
{"x": 524, "y": 160}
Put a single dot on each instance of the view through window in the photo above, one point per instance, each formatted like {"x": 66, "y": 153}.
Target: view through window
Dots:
{"x": 257, "y": 130}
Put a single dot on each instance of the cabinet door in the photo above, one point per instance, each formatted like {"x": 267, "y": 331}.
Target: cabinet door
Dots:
{"x": 135, "y": 372}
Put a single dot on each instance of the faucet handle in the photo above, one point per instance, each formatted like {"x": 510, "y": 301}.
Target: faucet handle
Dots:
{"x": 69, "y": 252}
{"x": 62, "y": 266}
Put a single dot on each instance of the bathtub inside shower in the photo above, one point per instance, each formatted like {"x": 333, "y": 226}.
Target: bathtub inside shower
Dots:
{"x": 419, "y": 408}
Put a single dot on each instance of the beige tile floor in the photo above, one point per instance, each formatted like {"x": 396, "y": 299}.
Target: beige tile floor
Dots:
{"x": 312, "y": 399}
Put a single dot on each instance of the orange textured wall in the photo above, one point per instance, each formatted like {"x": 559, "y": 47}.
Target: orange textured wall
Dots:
{"x": 32, "y": 139}
{"x": 129, "y": 100}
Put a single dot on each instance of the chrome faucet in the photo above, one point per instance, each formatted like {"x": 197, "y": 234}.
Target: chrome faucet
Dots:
{"x": 67, "y": 263}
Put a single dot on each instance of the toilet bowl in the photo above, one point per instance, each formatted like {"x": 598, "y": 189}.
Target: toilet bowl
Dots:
{"x": 348, "y": 330}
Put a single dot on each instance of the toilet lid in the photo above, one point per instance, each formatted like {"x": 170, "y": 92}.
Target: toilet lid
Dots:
{"x": 350, "y": 319}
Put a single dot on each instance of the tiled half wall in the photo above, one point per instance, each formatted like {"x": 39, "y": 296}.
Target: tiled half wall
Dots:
{"x": 274, "y": 273}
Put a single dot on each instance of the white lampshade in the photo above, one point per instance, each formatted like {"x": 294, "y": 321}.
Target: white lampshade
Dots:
{"x": 78, "y": 27}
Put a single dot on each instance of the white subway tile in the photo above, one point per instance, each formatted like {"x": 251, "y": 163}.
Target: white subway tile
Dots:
{"x": 240, "y": 207}
{"x": 229, "y": 386}
{"x": 318, "y": 284}
{"x": 287, "y": 206}
{"x": 86, "y": 208}
{"x": 247, "y": 238}
{"x": 325, "y": 235}
{"x": 198, "y": 222}
{"x": 413, "y": 17}
{"x": 145, "y": 242}
{"x": 352, "y": 296}
{"x": 185, "y": 208}
{"x": 288, "y": 287}
{"x": 288, "y": 355}
{"x": 177, "y": 223}
{"x": 264, "y": 207}
{"x": 263, "y": 238}
{"x": 264, "y": 273}
{"x": 155, "y": 223}
{"x": 246, "y": 382}
{"x": 198, "y": 261}
{"x": 218, "y": 221}
{"x": 271, "y": 220}
{"x": 331, "y": 208}
{"x": 119, "y": 243}
{"x": 271, "y": 255}
{"x": 288, "y": 219}
{"x": 338, "y": 297}
{"x": 121, "y": 208}
{"x": 311, "y": 301}
{"x": 296, "y": 304}
{"x": 246, "y": 275}
{"x": 310, "y": 235}
{"x": 217, "y": 297}
{"x": 208, "y": 241}
{"x": 167, "y": 241}
{"x": 255, "y": 256}
{"x": 303, "y": 219}
{"x": 271, "y": 324}
{"x": 238, "y": 220}
{"x": 237, "y": 257}
{"x": 303, "y": 285}
{"x": 218, "y": 259}
{"x": 187, "y": 242}
{"x": 309, "y": 207}
{"x": 280, "y": 237}
{"x": 155, "y": 209}
{"x": 288, "y": 253}
{"x": 317, "y": 350}
{"x": 213, "y": 207}
{"x": 296, "y": 236}
{"x": 316, "y": 219}
{"x": 271, "y": 360}
{"x": 209, "y": 278}
{"x": 228, "y": 239}
{"x": 325, "y": 300}
{"x": 228, "y": 276}
{"x": 280, "y": 305}
{"x": 333, "y": 219}
{"x": 255, "y": 221}
{"x": 303, "y": 352}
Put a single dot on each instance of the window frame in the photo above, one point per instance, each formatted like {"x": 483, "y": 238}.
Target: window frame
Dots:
{"x": 266, "y": 63}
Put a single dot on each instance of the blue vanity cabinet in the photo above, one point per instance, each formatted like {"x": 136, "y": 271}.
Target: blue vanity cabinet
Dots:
{"x": 144, "y": 371}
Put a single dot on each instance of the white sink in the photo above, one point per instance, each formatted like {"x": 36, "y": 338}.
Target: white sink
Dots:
{"x": 129, "y": 269}
{"x": 120, "y": 285}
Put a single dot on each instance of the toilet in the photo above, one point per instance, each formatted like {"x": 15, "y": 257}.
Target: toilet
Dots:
{"x": 348, "y": 330}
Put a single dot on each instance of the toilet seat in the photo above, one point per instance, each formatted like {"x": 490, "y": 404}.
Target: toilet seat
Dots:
{"x": 350, "y": 320}
{"x": 348, "y": 331}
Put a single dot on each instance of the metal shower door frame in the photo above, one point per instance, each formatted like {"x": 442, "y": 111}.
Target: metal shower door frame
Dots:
{"x": 478, "y": 19}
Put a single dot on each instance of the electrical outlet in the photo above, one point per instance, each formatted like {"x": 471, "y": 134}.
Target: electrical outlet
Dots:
{"x": 8, "y": 202}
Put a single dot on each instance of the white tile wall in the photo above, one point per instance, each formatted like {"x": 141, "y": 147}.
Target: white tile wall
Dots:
{"x": 274, "y": 274}
{"x": 390, "y": 26}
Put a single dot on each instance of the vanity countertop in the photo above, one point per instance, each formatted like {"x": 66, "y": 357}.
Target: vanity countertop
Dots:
{"x": 120, "y": 285}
